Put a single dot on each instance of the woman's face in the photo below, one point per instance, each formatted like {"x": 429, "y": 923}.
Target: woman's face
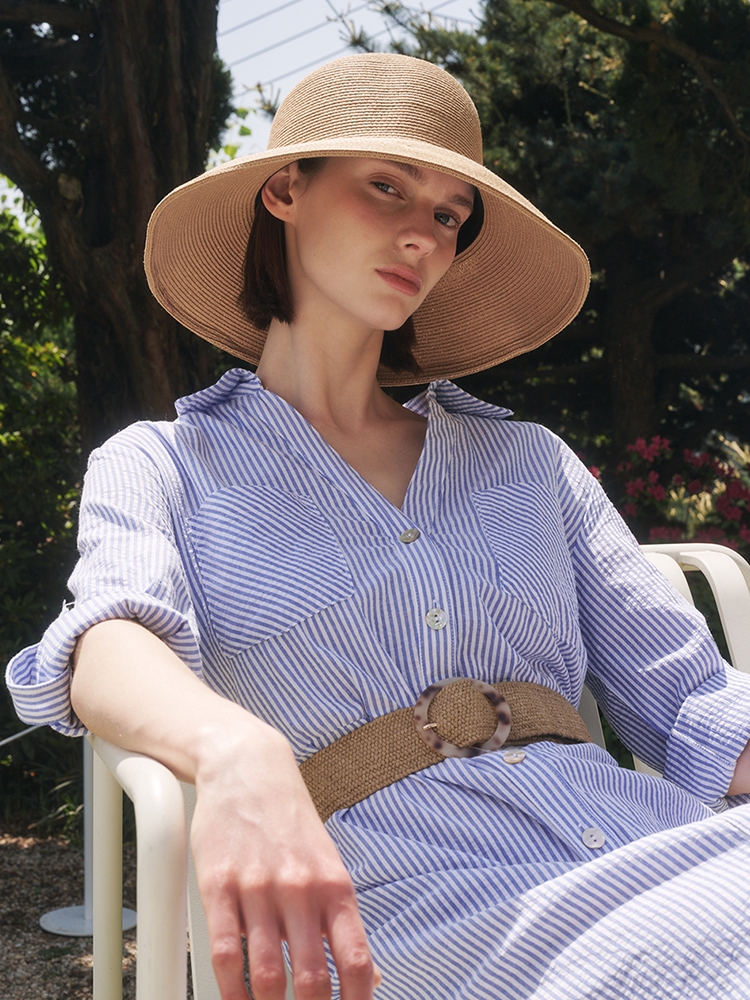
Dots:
{"x": 368, "y": 239}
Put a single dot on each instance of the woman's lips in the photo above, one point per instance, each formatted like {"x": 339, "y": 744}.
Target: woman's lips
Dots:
{"x": 403, "y": 279}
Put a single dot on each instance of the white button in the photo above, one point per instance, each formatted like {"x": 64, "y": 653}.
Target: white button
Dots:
{"x": 436, "y": 618}
{"x": 514, "y": 756}
{"x": 593, "y": 837}
{"x": 410, "y": 535}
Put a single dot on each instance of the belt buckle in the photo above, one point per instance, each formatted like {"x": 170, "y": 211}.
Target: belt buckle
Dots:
{"x": 427, "y": 729}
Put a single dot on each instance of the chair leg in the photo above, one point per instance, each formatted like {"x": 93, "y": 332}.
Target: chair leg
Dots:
{"x": 107, "y": 890}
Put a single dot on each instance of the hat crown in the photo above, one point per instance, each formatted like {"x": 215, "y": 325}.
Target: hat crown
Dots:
{"x": 384, "y": 95}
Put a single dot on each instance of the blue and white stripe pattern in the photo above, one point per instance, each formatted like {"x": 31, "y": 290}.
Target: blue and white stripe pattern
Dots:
{"x": 278, "y": 574}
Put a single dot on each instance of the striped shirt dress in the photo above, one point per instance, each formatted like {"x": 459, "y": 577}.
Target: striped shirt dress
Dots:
{"x": 293, "y": 587}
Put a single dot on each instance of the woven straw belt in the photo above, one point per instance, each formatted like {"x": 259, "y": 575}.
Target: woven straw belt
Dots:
{"x": 459, "y": 718}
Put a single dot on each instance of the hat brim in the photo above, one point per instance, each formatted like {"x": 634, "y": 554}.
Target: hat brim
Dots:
{"x": 520, "y": 282}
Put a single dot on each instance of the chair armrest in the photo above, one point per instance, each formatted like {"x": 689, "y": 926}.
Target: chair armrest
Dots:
{"x": 728, "y": 575}
{"x": 162, "y": 874}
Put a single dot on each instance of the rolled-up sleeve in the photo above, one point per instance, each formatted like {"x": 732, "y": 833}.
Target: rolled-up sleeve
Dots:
{"x": 130, "y": 567}
{"x": 652, "y": 663}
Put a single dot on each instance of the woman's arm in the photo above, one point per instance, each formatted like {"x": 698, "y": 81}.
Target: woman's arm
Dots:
{"x": 266, "y": 865}
{"x": 740, "y": 783}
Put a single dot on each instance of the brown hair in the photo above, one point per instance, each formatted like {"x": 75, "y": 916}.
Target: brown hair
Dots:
{"x": 265, "y": 290}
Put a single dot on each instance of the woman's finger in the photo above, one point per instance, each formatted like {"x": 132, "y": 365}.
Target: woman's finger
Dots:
{"x": 303, "y": 931}
{"x": 224, "y": 932}
{"x": 264, "y": 953}
{"x": 351, "y": 952}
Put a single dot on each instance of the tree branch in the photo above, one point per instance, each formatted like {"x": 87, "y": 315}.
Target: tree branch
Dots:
{"x": 703, "y": 362}
{"x": 33, "y": 60}
{"x": 50, "y": 126}
{"x": 656, "y": 292}
{"x": 21, "y": 166}
{"x": 651, "y": 36}
{"x": 554, "y": 372}
{"x": 24, "y": 12}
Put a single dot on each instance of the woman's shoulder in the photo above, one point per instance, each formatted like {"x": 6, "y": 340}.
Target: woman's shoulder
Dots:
{"x": 148, "y": 434}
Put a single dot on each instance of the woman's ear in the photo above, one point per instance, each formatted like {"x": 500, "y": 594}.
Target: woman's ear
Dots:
{"x": 276, "y": 193}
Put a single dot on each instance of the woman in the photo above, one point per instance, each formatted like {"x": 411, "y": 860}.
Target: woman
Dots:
{"x": 325, "y": 558}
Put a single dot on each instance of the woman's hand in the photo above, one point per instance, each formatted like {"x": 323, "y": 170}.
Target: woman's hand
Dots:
{"x": 266, "y": 866}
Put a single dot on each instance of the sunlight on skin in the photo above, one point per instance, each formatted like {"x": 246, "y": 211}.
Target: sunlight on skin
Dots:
{"x": 367, "y": 240}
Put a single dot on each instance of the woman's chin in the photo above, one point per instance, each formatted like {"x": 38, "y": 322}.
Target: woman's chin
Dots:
{"x": 393, "y": 319}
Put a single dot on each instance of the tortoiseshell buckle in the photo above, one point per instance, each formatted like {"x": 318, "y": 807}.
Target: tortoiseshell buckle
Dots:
{"x": 427, "y": 730}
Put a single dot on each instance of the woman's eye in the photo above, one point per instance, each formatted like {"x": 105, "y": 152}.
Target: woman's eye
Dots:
{"x": 447, "y": 220}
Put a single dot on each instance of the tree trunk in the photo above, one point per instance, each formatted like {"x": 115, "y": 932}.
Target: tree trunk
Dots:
{"x": 155, "y": 95}
{"x": 628, "y": 322}
{"x": 632, "y": 303}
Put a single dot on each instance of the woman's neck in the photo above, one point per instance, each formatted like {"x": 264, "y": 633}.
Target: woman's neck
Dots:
{"x": 328, "y": 374}
{"x": 331, "y": 379}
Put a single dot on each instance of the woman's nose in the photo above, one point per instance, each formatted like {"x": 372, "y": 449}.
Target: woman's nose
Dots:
{"x": 418, "y": 232}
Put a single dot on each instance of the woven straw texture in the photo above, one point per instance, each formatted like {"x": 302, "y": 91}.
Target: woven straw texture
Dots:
{"x": 518, "y": 284}
{"x": 389, "y": 748}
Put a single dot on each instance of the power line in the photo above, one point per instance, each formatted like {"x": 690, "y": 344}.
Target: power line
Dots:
{"x": 291, "y": 38}
{"x": 316, "y": 62}
{"x": 338, "y": 52}
{"x": 283, "y": 6}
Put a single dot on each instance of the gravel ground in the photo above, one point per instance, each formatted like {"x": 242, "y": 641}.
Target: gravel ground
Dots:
{"x": 37, "y": 875}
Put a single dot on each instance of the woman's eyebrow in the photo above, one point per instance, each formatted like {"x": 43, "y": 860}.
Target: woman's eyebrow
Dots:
{"x": 416, "y": 174}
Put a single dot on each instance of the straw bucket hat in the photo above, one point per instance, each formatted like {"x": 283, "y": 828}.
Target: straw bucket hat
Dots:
{"x": 517, "y": 284}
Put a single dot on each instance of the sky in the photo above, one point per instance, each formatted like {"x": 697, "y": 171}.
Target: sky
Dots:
{"x": 277, "y": 42}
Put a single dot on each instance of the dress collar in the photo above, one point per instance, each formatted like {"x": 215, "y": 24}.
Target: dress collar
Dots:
{"x": 448, "y": 397}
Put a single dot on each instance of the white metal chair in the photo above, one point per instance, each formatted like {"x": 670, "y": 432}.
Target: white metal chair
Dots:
{"x": 168, "y": 898}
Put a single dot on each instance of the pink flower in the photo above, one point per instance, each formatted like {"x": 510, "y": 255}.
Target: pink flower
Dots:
{"x": 625, "y": 467}
{"x": 658, "y": 492}
{"x": 666, "y": 535}
{"x": 678, "y": 479}
{"x": 697, "y": 461}
{"x": 631, "y": 509}
{"x": 696, "y": 486}
{"x": 736, "y": 491}
{"x": 653, "y": 477}
{"x": 595, "y": 472}
{"x": 712, "y": 534}
{"x": 634, "y": 487}
{"x": 745, "y": 533}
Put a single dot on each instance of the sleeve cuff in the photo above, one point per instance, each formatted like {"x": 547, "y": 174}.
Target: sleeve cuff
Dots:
{"x": 711, "y": 731}
{"x": 38, "y": 678}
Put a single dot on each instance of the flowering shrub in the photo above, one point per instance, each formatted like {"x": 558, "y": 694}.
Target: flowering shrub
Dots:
{"x": 697, "y": 496}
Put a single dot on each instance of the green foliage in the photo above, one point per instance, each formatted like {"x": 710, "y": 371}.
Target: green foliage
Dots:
{"x": 40, "y": 469}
